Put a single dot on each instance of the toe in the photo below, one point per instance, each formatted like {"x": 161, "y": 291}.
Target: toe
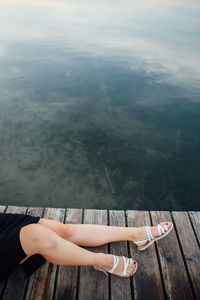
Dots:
{"x": 164, "y": 224}
{"x": 129, "y": 271}
{"x": 169, "y": 224}
{"x": 131, "y": 268}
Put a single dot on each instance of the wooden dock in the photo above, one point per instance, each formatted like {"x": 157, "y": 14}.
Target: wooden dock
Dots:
{"x": 170, "y": 269}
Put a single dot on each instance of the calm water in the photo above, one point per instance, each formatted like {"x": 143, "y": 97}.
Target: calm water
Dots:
{"x": 100, "y": 104}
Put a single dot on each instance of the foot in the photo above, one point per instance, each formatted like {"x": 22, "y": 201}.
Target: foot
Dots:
{"x": 141, "y": 234}
{"x": 109, "y": 262}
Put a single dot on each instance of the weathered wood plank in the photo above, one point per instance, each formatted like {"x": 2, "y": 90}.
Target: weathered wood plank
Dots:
{"x": 16, "y": 282}
{"x": 176, "y": 281}
{"x": 190, "y": 248}
{"x": 147, "y": 280}
{"x": 120, "y": 288}
{"x": 66, "y": 287}
{"x": 94, "y": 284}
{"x": 195, "y": 219}
{"x": 41, "y": 284}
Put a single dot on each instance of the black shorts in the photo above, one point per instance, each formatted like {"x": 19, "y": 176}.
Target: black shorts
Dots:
{"x": 11, "y": 251}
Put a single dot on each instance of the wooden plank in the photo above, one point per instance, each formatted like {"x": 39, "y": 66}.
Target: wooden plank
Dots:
{"x": 147, "y": 280}
{"x": 66, "y": 287}
{"x": 16, "y": 282}
{"x": 195, "y": 219}
{"x": 41, "y": 284}
{"x": 94, "y": 284}
{"x": 120, "y": 288}
{"x": 190, "y": 248}
{"x": 175, "y": 277}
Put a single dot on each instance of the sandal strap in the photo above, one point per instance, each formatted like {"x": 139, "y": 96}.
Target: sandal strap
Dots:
{"x": 102, "y": 271}
{"x": 149, "y": 234}
{"x": 125, "y": 266}
{"x": 148, "y": 230}
{"x": 138, "y": 242}
{"x": 116, "y": 260}
{"x": 166, "y": 228}
{"x": 160, "y": 229}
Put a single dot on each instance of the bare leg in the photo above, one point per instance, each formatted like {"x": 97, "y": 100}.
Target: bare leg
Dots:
{"x": 92, "y": 235}
{"x": 95, "y": 235}
{"x": 57, "y": 250}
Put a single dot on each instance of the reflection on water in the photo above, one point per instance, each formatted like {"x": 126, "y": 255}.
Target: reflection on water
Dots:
{"x": 99, "y": 104}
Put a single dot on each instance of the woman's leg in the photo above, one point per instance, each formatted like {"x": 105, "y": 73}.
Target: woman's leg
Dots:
{"x": 92, "y": 235}
{"x": 37, "y": 239}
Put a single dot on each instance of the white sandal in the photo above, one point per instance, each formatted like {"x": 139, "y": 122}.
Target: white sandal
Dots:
{"x": 162, "y": 233}
{"x": 116, "y": 261}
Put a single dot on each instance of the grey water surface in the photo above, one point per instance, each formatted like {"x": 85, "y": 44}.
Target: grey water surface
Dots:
{"x": 100, "y": 104}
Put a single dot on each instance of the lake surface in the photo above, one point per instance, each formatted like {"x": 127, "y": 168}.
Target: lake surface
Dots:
{"x": 100, "y": 104}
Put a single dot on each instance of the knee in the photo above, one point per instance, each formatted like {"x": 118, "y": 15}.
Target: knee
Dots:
{"x": 35, "y": 238}
{"x": 67, "y": 230}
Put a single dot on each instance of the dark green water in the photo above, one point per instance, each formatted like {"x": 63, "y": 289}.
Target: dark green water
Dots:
{"x": 100, "y": 104}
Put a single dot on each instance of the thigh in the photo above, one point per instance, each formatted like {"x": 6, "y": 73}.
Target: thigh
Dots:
{"x": 54, "y": 225}
{"x": 34, "y": 237}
